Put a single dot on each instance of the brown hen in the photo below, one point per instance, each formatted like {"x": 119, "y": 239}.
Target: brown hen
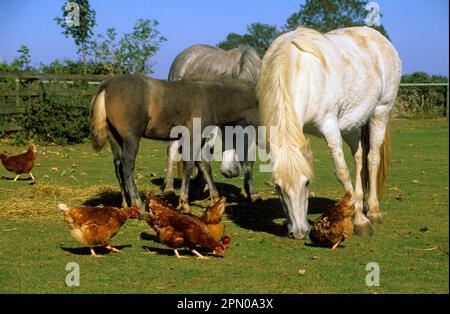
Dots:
{"x": 334, "y": 225}
{"x": 92, "y": 226}
{"x": 178, "y": 230}
{"x": 22, "y": 163}
{"x": 213, "y": 219}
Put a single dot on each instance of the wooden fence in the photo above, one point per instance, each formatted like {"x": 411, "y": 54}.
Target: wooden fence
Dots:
{"x": 445, "y": 110}
{"x": 29, "y": 85}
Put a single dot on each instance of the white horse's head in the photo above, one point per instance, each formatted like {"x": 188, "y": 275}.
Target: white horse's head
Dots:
{"x": 292, "y": 175}
{"x": 294, "y": 199}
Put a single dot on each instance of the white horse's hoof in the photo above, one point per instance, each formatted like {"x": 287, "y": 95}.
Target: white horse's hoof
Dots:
{"x": 364, "y": 229}
{"x": 255, "y": 197}
{"x": 375, "y": 218}
{"x": 169, "y": 192}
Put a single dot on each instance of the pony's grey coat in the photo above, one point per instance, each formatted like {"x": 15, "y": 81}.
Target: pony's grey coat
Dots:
{"x": 208, "y": 63}
{"x": 241, "y": 63}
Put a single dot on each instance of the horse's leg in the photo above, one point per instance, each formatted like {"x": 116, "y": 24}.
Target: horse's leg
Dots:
{"x": 117, "y": 153}
{"x": 130, "y": 149}
{"x": 199, "y": 181}
{"x": 378, "y": 124}
{"x": 362, "y": 225}
{"x": 183, "y": 205}
{"x": 188, "y": 165}
{"x": 206, "y": 173}
{"x": 334, "y": 141}
{"x": 172, "y": 150}
{"x": 249, "y": 185}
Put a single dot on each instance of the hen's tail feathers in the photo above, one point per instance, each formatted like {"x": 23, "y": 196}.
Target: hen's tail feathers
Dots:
{"x": 63, "y": 207}
{"x": 346, "y": 206}
{"x": 149, "y": 218}
{"x": 214, "y": 214}
{"x": 153, "y": 203}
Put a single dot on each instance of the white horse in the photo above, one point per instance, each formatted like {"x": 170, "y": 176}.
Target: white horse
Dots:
{"x": 339, "y": 85}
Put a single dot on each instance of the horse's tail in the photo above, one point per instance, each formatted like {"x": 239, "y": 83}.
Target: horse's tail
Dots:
{"x": 385, "y": 159}
{"x": 289, "y": 147}
{"x": 97, "y": 118}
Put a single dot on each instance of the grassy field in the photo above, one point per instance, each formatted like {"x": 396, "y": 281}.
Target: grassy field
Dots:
{"x": 411, "y": 247}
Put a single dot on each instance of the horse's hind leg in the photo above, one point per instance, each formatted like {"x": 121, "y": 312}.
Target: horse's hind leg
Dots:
{"x": 249, "y": 185}
{"x": 378, "y": 124}
{"x": 206, "y": 173}
{"x": 172, "y": 150}
{"x": 117, "y": 153}
{"x": 183, "y": 205}
{"x": 361, "y": 224}
{"x": 130, "y": 148}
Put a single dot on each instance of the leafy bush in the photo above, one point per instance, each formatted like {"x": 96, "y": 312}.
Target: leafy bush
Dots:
{"x": 421, "y": 101}
{"x": 58, "y": 119}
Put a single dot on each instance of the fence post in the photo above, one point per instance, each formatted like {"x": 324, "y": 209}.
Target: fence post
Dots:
{"x": 446, "y": 108}
{"x": 17, "y": 91}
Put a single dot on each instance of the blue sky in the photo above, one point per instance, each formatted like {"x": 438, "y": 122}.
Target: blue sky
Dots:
{"x": 418, "y": 28}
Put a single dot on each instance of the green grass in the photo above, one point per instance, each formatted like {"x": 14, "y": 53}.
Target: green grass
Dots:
{"x": 36, "y": 245}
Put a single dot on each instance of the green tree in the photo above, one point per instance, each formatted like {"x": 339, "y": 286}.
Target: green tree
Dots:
{"x": 77, "y": 21}
{"x": 132, "y": 53}
{"x": 258, "y": 36}
{"x": 326, "y": 15}
{"x": 105, "y": 51}
{"x": 22, "y": 62}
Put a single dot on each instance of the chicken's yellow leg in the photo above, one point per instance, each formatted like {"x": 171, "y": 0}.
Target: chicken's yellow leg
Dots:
{"x": 32, "y": 177}
{"x": 336, "y": 245}
{"x": 111, "y": 248}
{"x": 199, "y": 255}
{"x": 17, "y": 176}
{"x": 93, "y": 253}
{"x": 178, "y": 254}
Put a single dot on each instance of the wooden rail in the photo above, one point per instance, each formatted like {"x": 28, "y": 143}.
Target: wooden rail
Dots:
{"x": 446, "y": 109}
{"x": 30, "y": 79}
{"x": 28, "y": 85}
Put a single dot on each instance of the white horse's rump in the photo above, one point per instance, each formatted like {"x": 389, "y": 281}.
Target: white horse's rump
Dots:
{"x": 330, "y": 85}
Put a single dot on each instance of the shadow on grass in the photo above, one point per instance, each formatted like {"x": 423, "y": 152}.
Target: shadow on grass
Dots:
{"x": 260, "y": 216}
{"x": 149, "y": 237}
{"x": 99, "y": 250}
{"x": 182, "y": 252}
{"x": 18, "y": 179}
{"x": 109, "y": 198}
{"x": 230, "y": 191}
{"x": 114, "y": 198}
{"x": 166, "y": 251}
{"x": 311, "y": 244}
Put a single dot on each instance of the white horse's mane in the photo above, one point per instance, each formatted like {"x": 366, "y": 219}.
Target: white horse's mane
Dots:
{"x": 290, "y": 149}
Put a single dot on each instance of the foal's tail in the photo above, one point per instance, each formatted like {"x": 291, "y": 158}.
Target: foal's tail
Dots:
{"x": 99, "y": 127}
{"x": 385, "y": 159}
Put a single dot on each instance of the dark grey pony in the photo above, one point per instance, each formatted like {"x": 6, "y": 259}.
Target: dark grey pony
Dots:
{"x": 212, "y": 63}
{"x": 129, "y": 107}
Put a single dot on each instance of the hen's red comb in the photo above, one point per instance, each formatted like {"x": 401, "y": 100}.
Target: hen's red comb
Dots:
{"x": 226, "y": 241}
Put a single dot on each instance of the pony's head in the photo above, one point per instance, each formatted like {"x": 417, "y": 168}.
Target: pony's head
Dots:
{"x": 292, "y": 175}
{"x": 230, "y": 166}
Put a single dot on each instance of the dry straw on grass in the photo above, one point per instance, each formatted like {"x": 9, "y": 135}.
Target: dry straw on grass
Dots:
{"x": 40, "y": 200}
